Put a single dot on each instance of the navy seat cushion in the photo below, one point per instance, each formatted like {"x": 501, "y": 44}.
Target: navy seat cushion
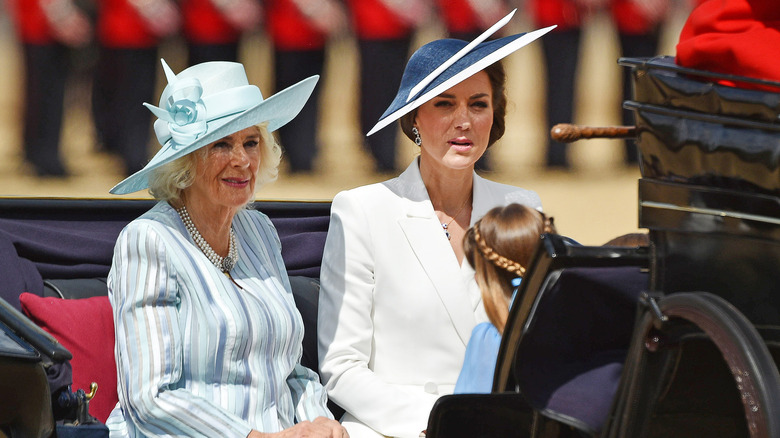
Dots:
{"x": 18, "y": 274}
{"x": 571, "y": 357}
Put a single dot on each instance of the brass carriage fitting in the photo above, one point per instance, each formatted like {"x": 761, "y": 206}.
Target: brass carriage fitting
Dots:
{"x": 92, "y": 390}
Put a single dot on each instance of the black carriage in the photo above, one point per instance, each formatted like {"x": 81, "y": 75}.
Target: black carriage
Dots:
{"x": 678, "y": 338}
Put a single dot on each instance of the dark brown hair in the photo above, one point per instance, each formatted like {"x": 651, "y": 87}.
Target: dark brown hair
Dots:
{"x": 497, "y": 78}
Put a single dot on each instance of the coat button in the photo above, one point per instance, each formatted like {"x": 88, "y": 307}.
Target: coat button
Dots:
{"x": 431, "y": 388}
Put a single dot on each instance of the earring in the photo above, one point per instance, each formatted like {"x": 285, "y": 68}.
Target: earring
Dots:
{"x": 417, "y": 139}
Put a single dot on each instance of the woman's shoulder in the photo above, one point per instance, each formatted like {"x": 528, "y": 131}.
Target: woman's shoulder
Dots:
{"x": 485, "y": 331}
{"x": 159, "y": 217}
{"x": 364, "y": 191}
{"x": 512, "y": 194}
{"x": 253, "y": 215}
{"x": 251, "y": 220}
{"x": 156, "y": 226}
{"x": 255, "y": 225}
{"x": 367, "y": 195}
{"x": 408, "y": 185}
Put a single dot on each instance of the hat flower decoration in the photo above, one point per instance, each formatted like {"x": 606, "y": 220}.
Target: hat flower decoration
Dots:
{"x": 207, "y": 102}
{"x": 186, "y": 111}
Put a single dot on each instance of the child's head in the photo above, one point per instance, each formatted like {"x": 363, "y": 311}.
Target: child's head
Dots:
{"x": 630, "y": 240}
{"x": 499, "y": 247}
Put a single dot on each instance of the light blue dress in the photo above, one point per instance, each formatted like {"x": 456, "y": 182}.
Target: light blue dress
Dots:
{"x": 197, "y": 354}
{"x": 479, "y": 364}
{"x": 476, "y": 376}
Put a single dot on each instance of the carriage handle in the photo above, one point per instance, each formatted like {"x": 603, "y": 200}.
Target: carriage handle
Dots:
{"x": 568, "y": 133}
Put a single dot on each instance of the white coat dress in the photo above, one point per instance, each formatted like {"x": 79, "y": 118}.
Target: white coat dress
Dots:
{"x": 396, "y": 310}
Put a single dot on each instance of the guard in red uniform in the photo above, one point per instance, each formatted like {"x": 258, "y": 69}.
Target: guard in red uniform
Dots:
{"x": 638, "y": 23}
{"x": 213, "y": 28}
{"x": 384, "y": 30}
{"x": 129, "y": 32}
{"x": 47, "y": 30}
{"x": 739, "y": 37}
{"x": 299, "y": 30}
{"x": 466, "y": 19}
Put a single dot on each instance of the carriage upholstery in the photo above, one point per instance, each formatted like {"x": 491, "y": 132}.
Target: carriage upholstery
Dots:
{"x": 564, "y": 345}
{"x": 56, "y": 253}
{"x": 567, "y": 336}
{"x": 43, "y": 239}
{"x": 574, "y": 347}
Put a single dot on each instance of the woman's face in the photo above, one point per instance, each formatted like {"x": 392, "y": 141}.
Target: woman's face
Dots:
{"x": 226, "y": 176}
{"x": 455, "y": 125}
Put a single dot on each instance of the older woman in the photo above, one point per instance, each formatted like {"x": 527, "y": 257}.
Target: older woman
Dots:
{"x": 398, "y": 303}
{"x": 208, "y": 336}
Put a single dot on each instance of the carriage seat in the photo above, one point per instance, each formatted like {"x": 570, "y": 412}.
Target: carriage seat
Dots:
{"x": 571, "y": 356}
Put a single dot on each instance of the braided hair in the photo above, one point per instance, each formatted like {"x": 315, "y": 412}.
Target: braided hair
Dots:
{"x": 499, "y": 247}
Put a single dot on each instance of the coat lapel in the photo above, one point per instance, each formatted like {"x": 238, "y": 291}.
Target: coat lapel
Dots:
{"x": 426, "y": 238}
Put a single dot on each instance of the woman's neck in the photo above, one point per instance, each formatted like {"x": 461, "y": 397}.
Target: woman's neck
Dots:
{"x": 213, "y": 223}
{"x": 449, "y": 189}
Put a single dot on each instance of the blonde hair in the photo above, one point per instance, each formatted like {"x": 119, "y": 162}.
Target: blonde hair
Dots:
{"x": 168, "y": 182}
{"x": 499, "y": 247}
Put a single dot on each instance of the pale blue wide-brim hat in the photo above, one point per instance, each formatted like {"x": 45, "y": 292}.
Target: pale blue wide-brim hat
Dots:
{"x": 207, "y": 102}
{"x": 442, "y": 64}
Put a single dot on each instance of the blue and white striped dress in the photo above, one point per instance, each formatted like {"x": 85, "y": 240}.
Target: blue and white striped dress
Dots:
{"x": 197, "y": 355}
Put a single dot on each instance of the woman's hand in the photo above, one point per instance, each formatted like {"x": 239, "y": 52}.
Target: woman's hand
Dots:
{"x": 321, "y": 427}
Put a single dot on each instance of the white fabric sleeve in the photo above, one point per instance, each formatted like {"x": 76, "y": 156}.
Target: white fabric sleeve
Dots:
{"x": 345, "y": 330}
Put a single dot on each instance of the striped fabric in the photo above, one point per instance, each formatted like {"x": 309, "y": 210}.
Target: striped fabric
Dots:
{"x": 198, "y": 355}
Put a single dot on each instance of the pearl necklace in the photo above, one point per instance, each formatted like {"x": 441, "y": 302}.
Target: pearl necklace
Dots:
{"x": 224, "y": 264}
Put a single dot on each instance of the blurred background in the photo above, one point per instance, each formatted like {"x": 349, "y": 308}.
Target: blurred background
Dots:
{"x": 103, "y": 70}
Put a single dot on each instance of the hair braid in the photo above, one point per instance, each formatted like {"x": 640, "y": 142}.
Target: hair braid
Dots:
{"x": 549, "y": 224}
{"x": 496, "y": 258}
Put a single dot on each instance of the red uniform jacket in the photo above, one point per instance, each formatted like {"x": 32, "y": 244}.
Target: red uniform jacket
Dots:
{"x": 290, "y": 29}
{"x": 120, "y": 26}
{"x": 32, "y": 27}
{"x": 203, "y": 23}
{"x": 372, "y": 20}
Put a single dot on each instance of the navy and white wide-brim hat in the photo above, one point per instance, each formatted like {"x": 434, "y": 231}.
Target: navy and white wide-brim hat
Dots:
{"x": 207, "y": 102}
{"x": 442, "y": 64}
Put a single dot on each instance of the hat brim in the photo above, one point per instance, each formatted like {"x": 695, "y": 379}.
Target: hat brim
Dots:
{"x": 482, "y": 56}
{"x": 277, "y": 110}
